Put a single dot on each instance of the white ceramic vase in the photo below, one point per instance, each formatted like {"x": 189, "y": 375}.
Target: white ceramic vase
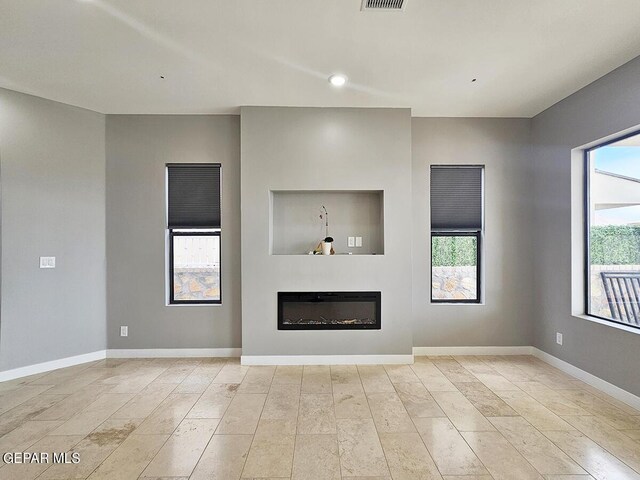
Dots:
{"x": 326, "y": 248}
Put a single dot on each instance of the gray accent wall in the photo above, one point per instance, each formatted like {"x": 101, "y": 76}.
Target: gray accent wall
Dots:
{"x": 606, "y": 107}
{"x": 138, "y": 148}
{"x": 52, "y": 161}
{"x": 502, "y": 146}
{"x": 325, "y": 149}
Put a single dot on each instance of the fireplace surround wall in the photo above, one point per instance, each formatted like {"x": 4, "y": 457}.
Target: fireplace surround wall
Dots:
{"x": 325, "y": 150}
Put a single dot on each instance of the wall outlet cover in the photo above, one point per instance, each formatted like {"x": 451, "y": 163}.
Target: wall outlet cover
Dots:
{"x": 558, "y": 338}
{"x": 124, "y": 331}
{"x": 358, "y": 241}
{"x": 351, "y": 242}
{"x": 47, "y": 262}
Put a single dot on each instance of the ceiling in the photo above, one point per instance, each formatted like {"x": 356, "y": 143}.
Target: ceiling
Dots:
{"x": 216, "y": 55}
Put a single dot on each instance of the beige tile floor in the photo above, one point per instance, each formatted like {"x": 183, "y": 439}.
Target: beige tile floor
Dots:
{"x": 449, "y": 418}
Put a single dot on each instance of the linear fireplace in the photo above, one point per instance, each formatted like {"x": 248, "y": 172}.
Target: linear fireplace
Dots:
{"x": 329, "y": 310}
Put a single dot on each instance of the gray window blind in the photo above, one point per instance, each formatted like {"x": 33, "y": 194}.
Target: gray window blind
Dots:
{"x": 456, "y": 197}
{"x": 194, "y": 195}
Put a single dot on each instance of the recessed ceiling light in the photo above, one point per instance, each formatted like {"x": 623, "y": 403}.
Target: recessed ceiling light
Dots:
{"x": 337, "y": 80}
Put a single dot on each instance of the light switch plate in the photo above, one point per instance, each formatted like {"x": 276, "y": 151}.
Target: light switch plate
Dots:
{"x": 47, "y": 262}
{"x": 351, "y": 242}
{"x": 358, "y": 241}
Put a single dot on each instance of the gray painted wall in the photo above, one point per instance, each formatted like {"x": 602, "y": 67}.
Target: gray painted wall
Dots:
{"x": 52, "y": 160}
{"x": 325, "y": 149}
{"x": 53, "y": 168}
{"x": 502, "y": 145}
{"x": 138, "y": 148}
{"x": 607, "y": 106}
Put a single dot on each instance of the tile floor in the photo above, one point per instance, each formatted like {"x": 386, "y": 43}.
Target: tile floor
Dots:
{"x": 465, "y": 418}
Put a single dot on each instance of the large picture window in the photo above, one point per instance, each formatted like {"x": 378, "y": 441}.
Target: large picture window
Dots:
{"x": 194, "y": 229}
{"x": 456, "y": 233}
{"x": 612, "y": 231}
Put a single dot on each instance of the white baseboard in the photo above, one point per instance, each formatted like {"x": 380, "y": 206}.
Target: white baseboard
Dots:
{"x": 608, "y": 388}
{"x": 325, "y": 359}
{"x": 173, "y": 352}
{"x": 435, "y": 351}
{"x": 603, "y": 385}
{"x": 51, "y": 365}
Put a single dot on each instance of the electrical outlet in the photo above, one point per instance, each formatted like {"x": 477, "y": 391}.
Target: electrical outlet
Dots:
{"x": 351, "y": 242}
{"x": 558, "y": 338}
{"x": 47, "y": 262}
{"x": 124, "y": 331}
{"x": 358, "y": 241}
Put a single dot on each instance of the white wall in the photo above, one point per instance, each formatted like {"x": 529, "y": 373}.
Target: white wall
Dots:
{"x": 606, "y": 107}
{"x": 502, "y": 146}
{"x": 52, "y": 162}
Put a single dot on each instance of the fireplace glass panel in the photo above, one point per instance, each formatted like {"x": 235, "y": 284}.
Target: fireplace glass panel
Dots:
{"x": 328, "y": 310}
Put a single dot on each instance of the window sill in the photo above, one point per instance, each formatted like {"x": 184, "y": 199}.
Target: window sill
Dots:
{"x": 459, "y": 304}
{"x": 193, "y": 304}
{"x": 617, "y": 326}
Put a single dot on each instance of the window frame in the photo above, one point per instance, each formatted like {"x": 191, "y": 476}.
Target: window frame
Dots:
{"x": 185, "y": 232}
{"x": 586, "y": 218}
{"x": 465, "y": 233}
{"x": 453, "y": 232}
{"x": 171, "y": 231}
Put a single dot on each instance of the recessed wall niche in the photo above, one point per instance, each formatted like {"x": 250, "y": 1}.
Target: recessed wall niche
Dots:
{"x": 297, "y": 226}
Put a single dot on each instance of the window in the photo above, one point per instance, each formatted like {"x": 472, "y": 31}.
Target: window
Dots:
{"x": 612, "y": 207}
{"x": 194, "y": 227}
{"x": 456, "y": 233}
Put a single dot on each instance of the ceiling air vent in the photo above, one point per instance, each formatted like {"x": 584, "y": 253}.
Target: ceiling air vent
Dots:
{"x": 383, "y": 4}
